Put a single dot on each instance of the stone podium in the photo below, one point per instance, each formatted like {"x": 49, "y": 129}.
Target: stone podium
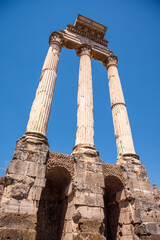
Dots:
{"x": 50, "y": 195}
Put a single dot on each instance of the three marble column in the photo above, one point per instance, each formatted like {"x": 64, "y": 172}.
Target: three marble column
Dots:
{"x": 40, "y": 111}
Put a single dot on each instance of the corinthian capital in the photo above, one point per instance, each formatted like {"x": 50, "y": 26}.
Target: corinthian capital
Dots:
{"x": 84, "y": 49}
{"x": 110, "y": 61}
{"x": 55, "y": 39}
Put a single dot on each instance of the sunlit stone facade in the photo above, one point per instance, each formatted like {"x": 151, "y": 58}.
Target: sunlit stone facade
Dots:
{"x": 48, "y": 195}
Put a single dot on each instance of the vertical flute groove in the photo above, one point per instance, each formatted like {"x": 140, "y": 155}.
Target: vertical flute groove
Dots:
{"x": 121, "y": 124}
{"x": 85, "y": 122}
{"x": 40, "y": 111}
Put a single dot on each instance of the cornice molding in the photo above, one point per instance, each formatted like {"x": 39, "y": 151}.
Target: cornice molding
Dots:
{"x": 82, "y": 33}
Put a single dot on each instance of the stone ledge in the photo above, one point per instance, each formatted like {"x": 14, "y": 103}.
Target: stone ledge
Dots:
{"x": 15, "y": 220}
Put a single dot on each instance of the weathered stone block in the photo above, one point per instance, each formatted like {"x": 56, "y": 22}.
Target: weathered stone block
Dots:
{"x": 19, "y": 191}
{"x": 91, "y": 212}
{"x": 40, "y": 182}
{"x": 127, "y": 230}
{"x": 13, "y": 220}
{"x": 89, "y": 199}
{"x": 69, "y": 226}
{"x": 32, "y": 169}
{"x": 36, "y": 193}
{"x": 68, "y": 236}
{"x": 125, "y": 216}
{"x": 90, "y": 225}
{"x": 146, "y": 210}
{"x": 41, "y": 171}
{"x": 150, "y": 229}
{"x": 28, "y": 207}
{"x": 89, "y": 236}
{"x": 17, "y": 234}
{"x": 9, "y": 205}
{"x": 18, "y": 167}
{"x": 128, "y": 238}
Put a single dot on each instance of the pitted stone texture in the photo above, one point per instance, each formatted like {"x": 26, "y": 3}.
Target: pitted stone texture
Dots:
{"x": 54, "y": 206}
{"x": 61, "y": 160}
{"x": 136, "y": 178}
{"x": 87, "y": 202}
{"x": 146, "y": 210}
{"x": 139, "y": 208}
{"x": 17, "y": 226}
{"x": 2, "y": 185}
{"x": 90, "y": 225}
{"x": 156, "y": 193}
{"x": 25, "y": 177}
{"x": 89, "y": 236}
{"x": 113, "y": 170}
{"x": 19, "y": 234}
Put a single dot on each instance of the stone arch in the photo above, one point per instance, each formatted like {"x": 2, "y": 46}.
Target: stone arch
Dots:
{"x": 61, "y": 160}
{"x": 53, "y": 204}
{"x": 113, "y": 189}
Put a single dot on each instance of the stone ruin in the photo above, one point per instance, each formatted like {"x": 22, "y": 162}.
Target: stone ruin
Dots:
{"x": 53, "y": 196}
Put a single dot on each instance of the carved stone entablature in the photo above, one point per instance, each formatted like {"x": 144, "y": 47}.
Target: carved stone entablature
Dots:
{"x": 112, "y": 170}
{"x": 110, "y": 61}
{"x": 86, "y": 34}
{"x": 56, "y": 39}
{"x": 87, "y": 31}
{"x": 84, "y": 49}
{"x": 74, "y": 41}
{"x": 61, "y": 160}
{"x": 90, "y": 26}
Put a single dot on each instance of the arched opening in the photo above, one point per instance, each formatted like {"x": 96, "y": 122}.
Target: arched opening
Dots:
{"x": 53, "y": 205}
{"x": 113, "y": 185}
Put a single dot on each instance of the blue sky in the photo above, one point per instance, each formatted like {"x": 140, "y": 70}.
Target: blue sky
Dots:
{"x": 134, "y": 36}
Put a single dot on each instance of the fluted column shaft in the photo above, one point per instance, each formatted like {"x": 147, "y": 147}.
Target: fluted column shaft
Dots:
{"x": 121, "y": 123}
{"x": 85, "y": 122}
{"x": 40, "y": 111}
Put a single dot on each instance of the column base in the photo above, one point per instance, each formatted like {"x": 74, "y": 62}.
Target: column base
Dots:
{"x": 34, "y": 136}
{"x": 127, "y": 156}
{"x": 86, "y": 149}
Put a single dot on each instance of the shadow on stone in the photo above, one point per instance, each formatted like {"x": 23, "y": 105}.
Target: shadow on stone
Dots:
{"x": 111, "y": 207}
{"x": 53, "y": 205}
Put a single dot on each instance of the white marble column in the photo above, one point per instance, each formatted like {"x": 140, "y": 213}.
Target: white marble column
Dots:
{"x": 121, "y": 123}
{"x": 85, "y": 122}
{"x": 40, "y": 111}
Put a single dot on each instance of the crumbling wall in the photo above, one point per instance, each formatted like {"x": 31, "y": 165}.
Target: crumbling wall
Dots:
{"x": 2, "y": 185}
{"x": 114, "y": 184}
{"x": 51, "y": 217}
{"x": 67, "y": 191}
{"x": 52, "y": 207}
{"x": 130, "y": 209}
{"x": 139, "y": 213}
{"x": 86, "y": 208}
{"x": 24, "y": 182}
